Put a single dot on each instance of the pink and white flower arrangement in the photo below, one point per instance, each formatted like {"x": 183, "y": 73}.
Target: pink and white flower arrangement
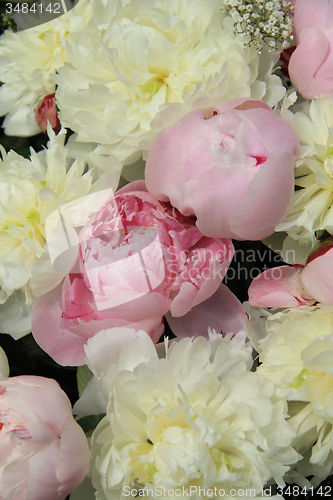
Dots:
{"x": 106, "y": 275}
{"x": 137, "y": 260}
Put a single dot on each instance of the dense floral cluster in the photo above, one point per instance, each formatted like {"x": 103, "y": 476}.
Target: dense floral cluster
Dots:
{"x": 262, "y": 22}
{"x": 183, "y": 148}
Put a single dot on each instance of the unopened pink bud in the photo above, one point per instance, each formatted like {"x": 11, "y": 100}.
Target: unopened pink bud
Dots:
{"x": 46, "y": 111}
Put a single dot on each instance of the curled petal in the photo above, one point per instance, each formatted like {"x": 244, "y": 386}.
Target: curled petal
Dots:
{"x": 221, "y": 312}
{"x": 279, "y": 287}
{"x": 317, "y": 278}
{"x": 306, "y": 60}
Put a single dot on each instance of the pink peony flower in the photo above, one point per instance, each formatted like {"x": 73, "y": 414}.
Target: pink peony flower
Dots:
{"x": 44, "y": 454}
{"x": 233, "y": 171}
{"x": 311, "y": 64}
{"x": 138, "y": 259}
{"x": 46, "y": 111}
{"x": 294, "y": 286}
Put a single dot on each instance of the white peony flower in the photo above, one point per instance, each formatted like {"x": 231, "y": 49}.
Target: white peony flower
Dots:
{"x": 297, "y": 354}
{"x": 27, "y": 60}
{"x": 30, "y": 191}
{"x": 196, "y": 418}
{"x": 312, "y": 208}
{"x": 151, "y": 62}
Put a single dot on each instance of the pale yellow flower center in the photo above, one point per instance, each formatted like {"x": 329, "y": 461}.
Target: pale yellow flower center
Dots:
{"x": 153, "y": 86}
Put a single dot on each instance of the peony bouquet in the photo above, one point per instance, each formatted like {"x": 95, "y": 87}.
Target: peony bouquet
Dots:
{"x": 166, "y": 249}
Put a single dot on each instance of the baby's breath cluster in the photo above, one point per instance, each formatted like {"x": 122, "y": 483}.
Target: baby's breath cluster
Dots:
{"x": 262, "y": 21}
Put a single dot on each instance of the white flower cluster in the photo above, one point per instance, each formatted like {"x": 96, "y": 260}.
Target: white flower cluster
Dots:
{"x": 31, "y": 190}
{"x": 27, "y": 60}
{"x": 312, "y": 208}
{"x": 150, "y": 63}
{"x": 297, "y": 354}
{"x": 262, "y": 21}
{"x": 196, "y": 418}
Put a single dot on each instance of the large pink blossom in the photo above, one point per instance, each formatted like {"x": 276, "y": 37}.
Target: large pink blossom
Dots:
{"x": 294, "y": 286}
{"x": 44, "y": 454}
{"x": 138, "y": 259}
{"x": 233, "y": 171}
{"x": 311, "y": 64}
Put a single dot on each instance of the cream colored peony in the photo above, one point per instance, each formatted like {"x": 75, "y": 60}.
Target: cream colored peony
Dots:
{"x": 297, "y": 354}
{"x": 312, "y": 208}
{"x": 195, "y": 418}
{"x": 150, "y": 63}
{"x": 27, "y": 60}
{"x": 30, "y": 191}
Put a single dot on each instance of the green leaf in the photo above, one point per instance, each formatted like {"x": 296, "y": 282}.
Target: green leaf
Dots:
{"x": 83, "y": 376}
{"x": 90, "y": 422}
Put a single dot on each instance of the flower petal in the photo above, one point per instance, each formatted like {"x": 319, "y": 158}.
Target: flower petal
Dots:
{"x": 270, "y": 189}
{"x": 221, "y": 312}
{"x": 279, "y": 287}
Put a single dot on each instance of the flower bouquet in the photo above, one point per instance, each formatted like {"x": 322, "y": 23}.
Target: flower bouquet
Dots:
{"x": 166, "y": 249}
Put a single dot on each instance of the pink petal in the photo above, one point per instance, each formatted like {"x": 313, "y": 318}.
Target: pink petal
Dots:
{"x": 311, "y": 14}
{"x": 306, "y": 60}
{"x": 279, "y": 287}
{"x": 191, "y": 295}
{"x": 222, "y": 312}
{"x": 264, "y": 133}
{"x": 14, "y": 479}
{"x": 325, "y": 70}
{"x": 50, "y": 404}
{"x": 160, "y": 155}
{"x": 62, "y": 345}
{"x": 317, "y": 278}
{"x": 43, "y": 481}
{"x": 233, "y": 182}
{"x": 182, "y": 303}
{"x": 273, "y": 186}
{"x": 241, "y": 103}
{"x": 66, "y": 345}
{"x": 73, "y": 461}
{"x": 132, "y": 186}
